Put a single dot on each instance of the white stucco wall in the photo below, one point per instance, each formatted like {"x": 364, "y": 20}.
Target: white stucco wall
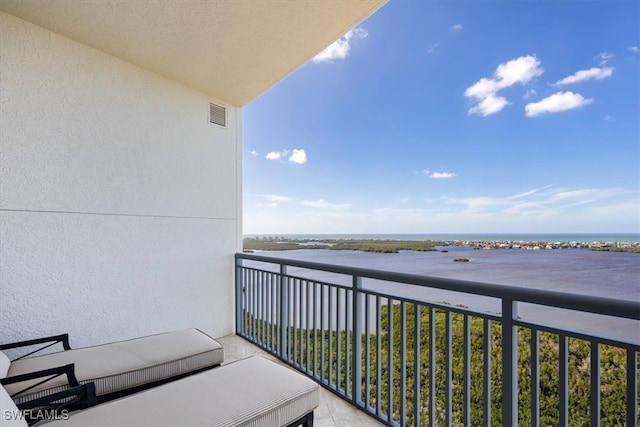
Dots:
{"x": 119, "y": 203}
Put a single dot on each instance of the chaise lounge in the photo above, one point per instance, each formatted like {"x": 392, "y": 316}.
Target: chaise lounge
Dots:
{"x": 116, "y": 369}
{"x": 250, "y": 392}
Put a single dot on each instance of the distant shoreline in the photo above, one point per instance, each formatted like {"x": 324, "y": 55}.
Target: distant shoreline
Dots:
{"x": 393, "y": 245}
{"x": 620, "y": 237}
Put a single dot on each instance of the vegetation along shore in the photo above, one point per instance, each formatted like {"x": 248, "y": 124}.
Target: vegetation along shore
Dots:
{"x": 274, "y": 243}
{"x": 331, "y": 363}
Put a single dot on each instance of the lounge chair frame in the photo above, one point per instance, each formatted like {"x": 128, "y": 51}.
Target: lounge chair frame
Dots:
{"x": 53, "y": 340}
{"x": 306, "y": 421}
{"x": 77, "y": 396}
{"x": 48, "y": 374}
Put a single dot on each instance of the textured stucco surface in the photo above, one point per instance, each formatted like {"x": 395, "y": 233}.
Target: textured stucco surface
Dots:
{"x": 233, "y": 50}
{"x": 119, "y": 202}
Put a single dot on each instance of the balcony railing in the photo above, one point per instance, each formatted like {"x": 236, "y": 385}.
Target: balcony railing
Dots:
{"x": 391, "y": 345}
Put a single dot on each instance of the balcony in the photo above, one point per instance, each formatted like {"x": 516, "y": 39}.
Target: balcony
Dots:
{"x": 406, "y": 360}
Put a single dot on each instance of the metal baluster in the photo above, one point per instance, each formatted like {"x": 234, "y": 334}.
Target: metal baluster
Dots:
{"x": 417, "y": 405}
{"x": 467, "y": 370}
{"x": 300, "y": 330}
{"x": 632, "y": 387}
{"x": 563, "y": 379}
{"x": 535, "y": 378}
{"x": 315, "y": 329}
{"x": 261, "y": 317}
{"x": 252, "y": 297}
{"x": 284, "y": 312}
{"x": 322, "y": 334}
{"x": 390, "y": 360}
{"x": 367, "y": 355}
{"x": 378, "y": 357}
{"x": 432, "y": 367}
{"x": 338, "y": 339}
{"x": 348, "y": 326}
{"x": 331, "y": 382}
{"x": 448, "y": 356}
{"x": 238, "y": 283}
{"x": 486, "y": 344}
{"x": 307, "y": 328}
{"x": 294, "y": 328}
{"x": 403, "y": 363}
{"x": 357, "y": 342}
{"x": 594, "y": 399}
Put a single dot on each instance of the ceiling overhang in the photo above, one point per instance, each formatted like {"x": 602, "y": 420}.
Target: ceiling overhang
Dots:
{"x": 233, "y": 50}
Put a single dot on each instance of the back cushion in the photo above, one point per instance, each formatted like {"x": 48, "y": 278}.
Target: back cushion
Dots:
{"x": 4, "y": 365}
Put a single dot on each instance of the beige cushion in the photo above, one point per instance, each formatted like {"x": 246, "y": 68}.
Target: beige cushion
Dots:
{"x": 9, "y": 414}
{"x": 121, "y": 365}
{"x": 250, "y": 393}
{"x": 5, "y": 362}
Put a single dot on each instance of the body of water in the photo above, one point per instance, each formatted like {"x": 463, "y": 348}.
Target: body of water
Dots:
{"x": 580, "y": 271}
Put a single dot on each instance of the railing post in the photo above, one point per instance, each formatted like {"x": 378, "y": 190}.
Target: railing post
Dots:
{"x": 283, "y": 306}
{"x": 509, "y": 364}
{"x": 356, "y": 347}
{"x": 238, "y": 274}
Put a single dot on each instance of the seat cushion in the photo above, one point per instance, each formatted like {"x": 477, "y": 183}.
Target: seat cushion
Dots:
{"x": 250, "y": 392}
{"x": 10, "y": 415}
{"x": 122, "y": 365}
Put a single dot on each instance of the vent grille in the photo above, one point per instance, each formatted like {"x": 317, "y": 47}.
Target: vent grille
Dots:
{"x": 217, "y": 115}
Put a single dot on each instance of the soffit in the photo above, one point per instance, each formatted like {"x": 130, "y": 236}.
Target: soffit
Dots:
{"x": 234, "y": 50}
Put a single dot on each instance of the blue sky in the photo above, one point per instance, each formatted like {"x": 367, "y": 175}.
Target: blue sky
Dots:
{"x": 455, "y": 117}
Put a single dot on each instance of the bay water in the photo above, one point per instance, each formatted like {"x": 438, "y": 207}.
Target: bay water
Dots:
{"x": 580, "y": 271}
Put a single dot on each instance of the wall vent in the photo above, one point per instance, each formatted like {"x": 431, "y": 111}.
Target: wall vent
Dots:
{"x": 217, "y": 115}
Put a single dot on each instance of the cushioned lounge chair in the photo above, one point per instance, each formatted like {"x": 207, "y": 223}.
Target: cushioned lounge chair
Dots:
{"x": 250, "y": 392}
{"x": 116, "y": 369}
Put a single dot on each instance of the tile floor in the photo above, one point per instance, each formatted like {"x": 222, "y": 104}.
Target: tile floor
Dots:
{"x": 332, "y": 411}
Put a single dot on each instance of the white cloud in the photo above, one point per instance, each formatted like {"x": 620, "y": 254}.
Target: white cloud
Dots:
{"x": 432, "y": 48}
{"x": 276, "y": 155}
{"x": 298, "y": 156}
{"x": 603, "y": 57}
{"x": 273, "y": 198}
{"x": 457, "y": 27}
{"x": 321, "y": 204}
{"x": 520, "y": 70}
{"x": 549, "y": 209}
{"x": 528, "y": 94}
{"x": 340, "y": 48}
{"x": 558, "y": 102}
{"x": 442, "y": 175}
{"x": 634, "y": 49}
{"x": 254, "y": 153}
{"x": 582, "y": 75}
{"x": 546, "y": 201}
{"x": 491, "y": 104}
{"x": 436, "y": 175}
{"x": 482, "y": 88}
